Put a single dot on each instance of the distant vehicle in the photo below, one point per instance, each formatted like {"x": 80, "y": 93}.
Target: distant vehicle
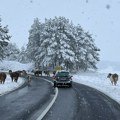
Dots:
{"x": 62, "y": 78}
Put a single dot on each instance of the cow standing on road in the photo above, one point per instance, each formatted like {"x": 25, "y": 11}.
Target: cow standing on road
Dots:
{"x": 37, "y": 73}
{"x": 29, "y": 78}
{"x": 47, "y": 73}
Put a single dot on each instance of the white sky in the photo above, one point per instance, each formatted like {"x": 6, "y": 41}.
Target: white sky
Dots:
{"x": 92, "y": 15}
{"x": 96, "y": 79}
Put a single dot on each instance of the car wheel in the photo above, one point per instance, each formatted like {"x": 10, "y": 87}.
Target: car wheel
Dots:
{"x": 55, "y": 85}
{"x": 70, "y": 85}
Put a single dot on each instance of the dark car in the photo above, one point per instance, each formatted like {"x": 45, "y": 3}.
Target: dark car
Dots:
{"x": 62, "y": 78}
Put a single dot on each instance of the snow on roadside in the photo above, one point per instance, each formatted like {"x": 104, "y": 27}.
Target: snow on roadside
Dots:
{"x": 96, "y": 79}
{"x": 9, "y": 85}
{"x": 14, "y": 66}
{"x": 100, "y": 82}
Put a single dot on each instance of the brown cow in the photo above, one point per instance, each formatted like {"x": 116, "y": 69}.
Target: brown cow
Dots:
{"x": 14, "y": 75}
{"x": 2, "y": 77}
{"x": 113, "y": 78}
{"x": 29, "y": 78}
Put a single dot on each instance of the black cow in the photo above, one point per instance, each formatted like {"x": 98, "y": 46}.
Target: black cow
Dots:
{"x": 37, "y": 73}
{"x": 47, "y": 73}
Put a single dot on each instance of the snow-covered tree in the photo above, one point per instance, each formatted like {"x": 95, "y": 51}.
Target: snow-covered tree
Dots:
{"x": 59, "y": 42}
{"x": 11, "y": 51}
{"x": 4, "y": 38}
{"x": 23, "y": 58}
{"x": 33, "y": 47}
{"x": 91, "y": 52}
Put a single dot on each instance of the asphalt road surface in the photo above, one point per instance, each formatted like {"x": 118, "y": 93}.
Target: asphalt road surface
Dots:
{"x": 83, "y": 103}
{"x": 77, "y": 103}
{"x": 22, "y": 103}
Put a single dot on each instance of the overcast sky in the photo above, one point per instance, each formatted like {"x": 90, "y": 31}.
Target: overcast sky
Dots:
{"x": 100, "y": 17}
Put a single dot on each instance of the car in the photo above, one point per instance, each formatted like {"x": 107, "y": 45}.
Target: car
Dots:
{"x": 63, "y": 78}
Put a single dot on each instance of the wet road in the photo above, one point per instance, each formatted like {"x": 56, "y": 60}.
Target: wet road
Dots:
{"x": 20, "y": 104}
{"x": 77, "y": 103}
{"x": 83, "y": 103}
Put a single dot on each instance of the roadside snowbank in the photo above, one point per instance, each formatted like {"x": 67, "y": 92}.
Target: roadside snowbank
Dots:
{"x": 9, "y": 85}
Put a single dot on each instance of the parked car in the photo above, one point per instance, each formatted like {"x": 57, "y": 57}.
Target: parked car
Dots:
{"x": 63, "y": 78}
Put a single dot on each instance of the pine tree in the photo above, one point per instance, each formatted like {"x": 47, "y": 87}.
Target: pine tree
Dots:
{"x": 23, "y": 58}
{"x": 59, "y": 42}
{"x": 34, "y": 41}
{"x": 4, "y": 38}
{"x": 11, "y": 51}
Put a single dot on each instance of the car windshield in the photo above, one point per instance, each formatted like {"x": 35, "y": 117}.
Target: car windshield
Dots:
{"x": 62, "y": 74}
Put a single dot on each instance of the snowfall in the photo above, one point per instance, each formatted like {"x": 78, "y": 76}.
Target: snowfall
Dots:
{"x": 95, "y": 79}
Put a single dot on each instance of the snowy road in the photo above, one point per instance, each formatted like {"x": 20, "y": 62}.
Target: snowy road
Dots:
{"x": 21, "y": 104}
{"x": 94, "y": 105}
{"x": 77, "y": 103}
{"x": 83, "y": 103}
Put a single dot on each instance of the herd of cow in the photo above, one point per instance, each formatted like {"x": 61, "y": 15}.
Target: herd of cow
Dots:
{"x": 16, "y": 74}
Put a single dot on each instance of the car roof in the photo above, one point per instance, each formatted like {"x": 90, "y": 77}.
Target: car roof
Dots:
{"x": 62, "y": 71}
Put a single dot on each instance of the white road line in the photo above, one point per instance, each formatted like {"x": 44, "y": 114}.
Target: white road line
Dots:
{"x": 50, "y": 104}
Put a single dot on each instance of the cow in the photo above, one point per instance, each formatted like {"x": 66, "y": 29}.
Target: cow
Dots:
{"x": 23, "y": 73}
{"x": 47, "y": 73}
{"x": 54, "y": 72}
{"x": 2, "y": 77}
{"x": 113, "y": 78}
{"x": 14, "y": 75}
{"x": 37, "y": 73}
{"x": 20, "y": 72}
{"x": 29, "y": 77}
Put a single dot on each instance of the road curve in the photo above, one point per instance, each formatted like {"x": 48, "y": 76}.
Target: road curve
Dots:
{"x": 23, "y": 103}
{"x": 83, "y": 103}
{"x": 77, "y": 103}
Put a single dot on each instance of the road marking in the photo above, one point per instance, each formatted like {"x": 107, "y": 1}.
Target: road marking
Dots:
{"x": 50, "y": 104}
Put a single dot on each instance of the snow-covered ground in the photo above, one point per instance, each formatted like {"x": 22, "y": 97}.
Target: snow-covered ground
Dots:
{"x": 12, "y": 65}
{"x": 9, "y": 85}
{"x": 96, "y": 79}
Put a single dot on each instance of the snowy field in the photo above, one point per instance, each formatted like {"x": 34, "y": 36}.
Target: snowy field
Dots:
{"x": 12, "y": 65}
{"x": 96, "y": 79}
{"x": 99, "y": 81}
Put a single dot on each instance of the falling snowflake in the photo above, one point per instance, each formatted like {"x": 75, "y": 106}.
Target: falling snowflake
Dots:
{"x": 31, "y": 1}
{"x": 108, "y": 6}
{"x": 82, "y": 12}
{"x": 86, "y": 1}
